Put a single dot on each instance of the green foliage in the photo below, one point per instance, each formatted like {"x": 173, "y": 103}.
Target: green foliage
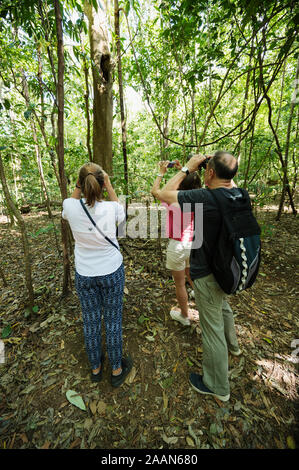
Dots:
{"x": 193, "y": 60}
{"x": 6, "y": 332}
{"x": 47, "y": 229}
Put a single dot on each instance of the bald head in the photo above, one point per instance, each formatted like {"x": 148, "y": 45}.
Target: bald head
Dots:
{"x": 224, "y": 164}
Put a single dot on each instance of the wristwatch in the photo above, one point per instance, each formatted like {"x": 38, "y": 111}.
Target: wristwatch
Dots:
{"x": 185, "y": 170}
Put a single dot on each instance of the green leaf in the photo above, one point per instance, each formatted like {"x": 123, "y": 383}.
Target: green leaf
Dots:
{"x": 167, "y": 382}
{"x": 27, "y": 114}
{"x": 268, "y": 340}
{"x": 6, "y": 331}
{"x": 6, "y": 103}
{"x": 35, "y": 308}
{"x": 27, "y": 313}
{"x": 95, "y": 5}
{"x": 142, "y": 319}
{"x": 75, "y": 399}
{"x": 190, "y": 363}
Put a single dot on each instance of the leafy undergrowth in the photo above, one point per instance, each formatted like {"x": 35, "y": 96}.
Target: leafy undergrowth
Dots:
{"x": 156, "y": 408}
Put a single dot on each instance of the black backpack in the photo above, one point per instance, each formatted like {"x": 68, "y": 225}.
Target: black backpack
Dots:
{"x": 237, "y": 254}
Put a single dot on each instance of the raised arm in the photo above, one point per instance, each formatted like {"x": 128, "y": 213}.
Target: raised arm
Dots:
{"x": 169, "y": 192}
{"x": 107, "y": 184}
{"x": 156, "y": 186}
{"x": 76, "y": 194}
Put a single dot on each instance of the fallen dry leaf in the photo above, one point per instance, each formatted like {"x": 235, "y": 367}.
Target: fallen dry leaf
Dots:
{"x": 93, "y": 407}
{"x": 101, "y": 407}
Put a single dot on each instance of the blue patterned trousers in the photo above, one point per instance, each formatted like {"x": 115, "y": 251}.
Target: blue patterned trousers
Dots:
{"x": 102, "y": 295}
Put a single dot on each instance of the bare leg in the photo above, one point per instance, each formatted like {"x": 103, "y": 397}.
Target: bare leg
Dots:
{"x": 181, "y": 293}
{"x": 187, "y": 272}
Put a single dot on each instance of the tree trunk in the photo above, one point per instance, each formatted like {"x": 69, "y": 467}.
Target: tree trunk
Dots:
{"x": 102, "y": 66}
{"x": 286, "y": 186}
{"x": 193, "y": 123}
{"x": 165, "y": 142}
{"x": 249, "y": 156}
{"x": 238, "y": 146}
{"x": 21, "y": 224}
{"x": 60, "y": 145}
{"x": 86, "y": 100}
{"x": 45, "y": 195}
{"x": 295, "y": 162}
{"x": 121, "y": 96}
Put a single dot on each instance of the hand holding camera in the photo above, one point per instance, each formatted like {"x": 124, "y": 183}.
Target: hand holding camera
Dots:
{"x": 165, "y": 164}
{"x": 174, "y": 163}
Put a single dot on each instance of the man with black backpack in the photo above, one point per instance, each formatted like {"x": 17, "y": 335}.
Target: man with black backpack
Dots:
{"x": 226, "y": 262}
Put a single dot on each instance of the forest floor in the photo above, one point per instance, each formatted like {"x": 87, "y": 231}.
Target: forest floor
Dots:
{"x": 156, "y": 407}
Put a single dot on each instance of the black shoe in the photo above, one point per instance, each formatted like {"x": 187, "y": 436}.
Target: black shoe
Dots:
{"x": 98, "y": 377}
{"x": 126, "y": 365}
{"x": 198, "y": 385}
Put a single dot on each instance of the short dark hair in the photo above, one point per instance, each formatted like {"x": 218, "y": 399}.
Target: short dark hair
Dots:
{"x": 191, "y": 181}
{"x": 220, "y": 164}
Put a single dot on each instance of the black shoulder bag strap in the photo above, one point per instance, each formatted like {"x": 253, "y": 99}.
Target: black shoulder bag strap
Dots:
{"x": 93, "y": 222}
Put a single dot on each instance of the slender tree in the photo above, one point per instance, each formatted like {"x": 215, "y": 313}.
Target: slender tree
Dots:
{"x": 86, "y": 99}
{"x": 60, "y": 145}
{"x": 22, "y": 227}
{"x": 121, "y": 94}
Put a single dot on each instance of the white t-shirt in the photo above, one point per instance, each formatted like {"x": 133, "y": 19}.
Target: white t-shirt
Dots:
{"x": 94, "y": 256}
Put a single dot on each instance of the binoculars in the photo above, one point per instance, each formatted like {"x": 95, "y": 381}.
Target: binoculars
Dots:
{"x": 203, "y": 164}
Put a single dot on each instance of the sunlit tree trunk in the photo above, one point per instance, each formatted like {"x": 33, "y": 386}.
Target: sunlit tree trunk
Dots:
{"x": 86, "y": 100}
{"x": 102, "y": 66}
{"x": 121, "y": 95}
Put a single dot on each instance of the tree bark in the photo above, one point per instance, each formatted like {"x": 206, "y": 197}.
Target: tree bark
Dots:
{"x": 60, "y": 145}
{"x": 249, "y": 156}
{"x": 102, "y": 66}
{"x": 86, "y": 100}
{"x": 286, "y": 185}
{"x": 295, "y": 162}
{"x": 283, "y": 161}
{"x": 121, "y": 96}
{"x": 21, "y": 224}
{"x": 238, "y": 146}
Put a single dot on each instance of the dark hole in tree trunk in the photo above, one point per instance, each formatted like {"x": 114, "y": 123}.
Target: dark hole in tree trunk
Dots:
{"x": 105, "y": 66}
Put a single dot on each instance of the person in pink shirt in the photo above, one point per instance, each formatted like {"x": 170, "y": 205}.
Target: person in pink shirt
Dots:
{"x": 179, "y": 230}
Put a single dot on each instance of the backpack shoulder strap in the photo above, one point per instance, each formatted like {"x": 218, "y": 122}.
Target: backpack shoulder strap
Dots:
{"x": 95, "y": 225}
{"x": 216, "y": 199}
{"x": 220, "y": 201}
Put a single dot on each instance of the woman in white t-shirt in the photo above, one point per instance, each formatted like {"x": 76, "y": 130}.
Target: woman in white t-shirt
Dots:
{"x": 99, "y": 269}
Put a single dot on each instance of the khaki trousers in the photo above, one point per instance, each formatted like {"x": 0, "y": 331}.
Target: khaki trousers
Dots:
{"x": 218, "y": 333}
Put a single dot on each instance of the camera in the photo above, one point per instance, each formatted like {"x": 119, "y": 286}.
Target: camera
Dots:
{"x": 170, "y": 164}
